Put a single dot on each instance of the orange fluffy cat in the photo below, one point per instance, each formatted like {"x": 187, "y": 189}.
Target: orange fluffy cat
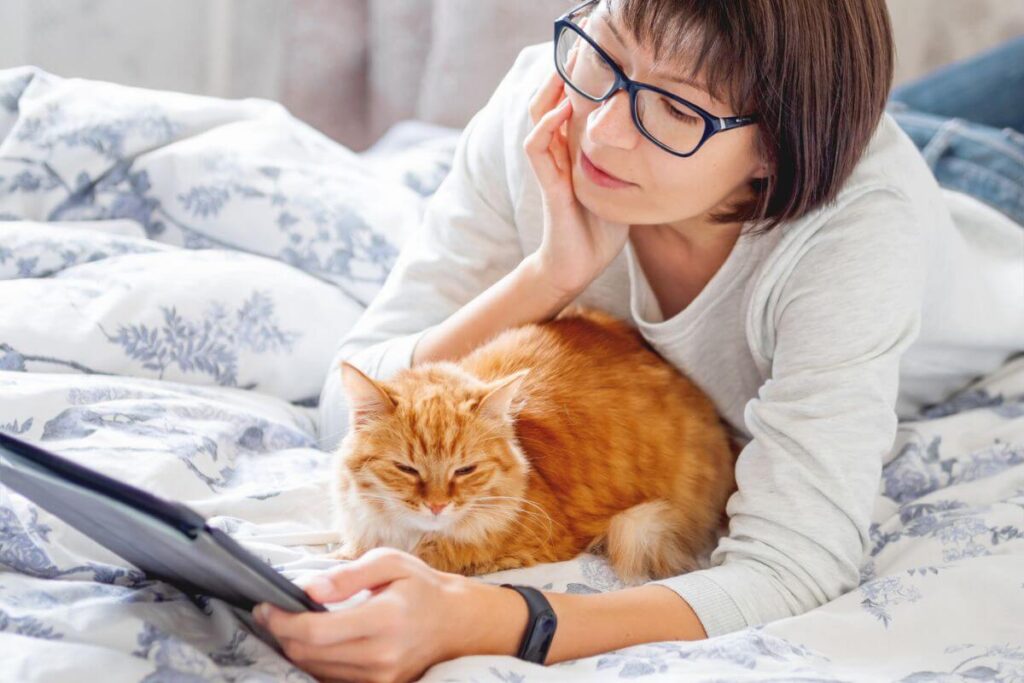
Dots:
{"x": 549, "y": 440}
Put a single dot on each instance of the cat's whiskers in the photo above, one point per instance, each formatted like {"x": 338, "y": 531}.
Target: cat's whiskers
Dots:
{"x": 507, "y": 516}
{"x": 520, "y": 499}
{"x": 375, "y": 496}
{"x": 363, "y": 494}
{"x": 515, "y": 513}
{"x": 542, "y": 516}
{"x": 324, "y": 437}
{"x": 525, "y": 519}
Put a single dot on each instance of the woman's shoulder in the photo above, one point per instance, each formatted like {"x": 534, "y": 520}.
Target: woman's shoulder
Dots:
{"x": 529, "y": 71}
{"x": 872, "y": 240}
{"x": 495, "y": 134}
{"x": 489, "y": 154}
{"x": 510, "y": 100}
{"x": 893, "y": 163}
{"x": 891, "y": 202}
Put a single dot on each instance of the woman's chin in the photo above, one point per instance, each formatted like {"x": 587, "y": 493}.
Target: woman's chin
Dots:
{"x": 601, "y": 202}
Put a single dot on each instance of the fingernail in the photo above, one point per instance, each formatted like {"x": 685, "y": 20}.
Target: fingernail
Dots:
{"x": 261, "y": 612}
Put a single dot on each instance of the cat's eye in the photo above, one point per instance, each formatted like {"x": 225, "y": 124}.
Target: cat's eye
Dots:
{"x": 407, "y": 469}
{"x": 468, "y": 469}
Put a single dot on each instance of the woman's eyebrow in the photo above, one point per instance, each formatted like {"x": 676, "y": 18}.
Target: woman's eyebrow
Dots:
{"x": 666, "y": 76}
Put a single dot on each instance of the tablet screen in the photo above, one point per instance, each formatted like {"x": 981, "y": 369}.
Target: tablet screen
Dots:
{"x": 166, "y": 540}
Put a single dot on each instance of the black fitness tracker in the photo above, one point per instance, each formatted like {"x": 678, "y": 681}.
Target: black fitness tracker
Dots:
{"x": 540, "y": 627}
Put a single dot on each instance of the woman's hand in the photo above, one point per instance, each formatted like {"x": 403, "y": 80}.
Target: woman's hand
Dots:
{"x": 577, "y": 245}
{"x": 409, "y": 623}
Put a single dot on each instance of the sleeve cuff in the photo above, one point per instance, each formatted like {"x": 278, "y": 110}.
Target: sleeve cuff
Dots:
{"x": 715, "y": 608}
{"x": 397, "y": 355}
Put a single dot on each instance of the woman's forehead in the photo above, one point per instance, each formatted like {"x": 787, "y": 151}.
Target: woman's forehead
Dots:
{"x": 672, "y": 70}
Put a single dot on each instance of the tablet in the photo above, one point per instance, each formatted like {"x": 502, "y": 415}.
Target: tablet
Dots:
{"x": 166, "y": 540}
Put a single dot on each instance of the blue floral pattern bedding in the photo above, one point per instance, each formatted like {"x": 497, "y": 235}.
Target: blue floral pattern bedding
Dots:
{"x": 175, "y": 272}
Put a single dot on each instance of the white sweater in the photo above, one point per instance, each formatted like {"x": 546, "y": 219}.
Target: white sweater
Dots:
{"x": 811, "y": 340}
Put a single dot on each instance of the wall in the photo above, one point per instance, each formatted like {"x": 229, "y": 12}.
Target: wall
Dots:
{"x": 353, "y": 67}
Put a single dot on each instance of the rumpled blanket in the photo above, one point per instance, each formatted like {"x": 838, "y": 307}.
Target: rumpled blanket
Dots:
{"x": 175, "y": 273}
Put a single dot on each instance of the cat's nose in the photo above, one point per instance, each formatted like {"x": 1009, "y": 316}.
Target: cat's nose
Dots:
{"x": 437, "y": 507}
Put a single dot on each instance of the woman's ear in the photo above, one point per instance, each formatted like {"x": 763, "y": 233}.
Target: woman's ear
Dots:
{"x": 762, "y": 165}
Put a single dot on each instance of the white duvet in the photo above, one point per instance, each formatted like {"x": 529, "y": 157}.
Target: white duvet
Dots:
{"x": 175, "y": 272}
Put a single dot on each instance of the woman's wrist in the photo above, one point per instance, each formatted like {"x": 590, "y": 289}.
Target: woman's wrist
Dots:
{"x": 486, "y": 619}
{"x": 546, "y": 275}
{"x": 490, "y": 620}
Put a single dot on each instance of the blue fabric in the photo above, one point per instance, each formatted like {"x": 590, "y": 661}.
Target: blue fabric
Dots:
{"x": 968, "y": 121}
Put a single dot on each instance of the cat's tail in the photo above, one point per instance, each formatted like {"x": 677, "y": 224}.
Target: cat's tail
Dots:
{"x": 652, "y": 540}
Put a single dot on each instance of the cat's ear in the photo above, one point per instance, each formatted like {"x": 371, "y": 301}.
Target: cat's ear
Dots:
{"x": 366, "y": 399}
{"x": 500, "y": 402}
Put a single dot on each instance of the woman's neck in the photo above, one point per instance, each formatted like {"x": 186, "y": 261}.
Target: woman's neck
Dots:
{"x": 693, "y": 237}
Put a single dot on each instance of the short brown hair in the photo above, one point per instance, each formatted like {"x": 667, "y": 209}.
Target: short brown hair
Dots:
{"x": 817, "y": 74}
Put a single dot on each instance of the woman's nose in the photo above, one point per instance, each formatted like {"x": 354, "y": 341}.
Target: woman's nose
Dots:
{"x": 611, "y": 123}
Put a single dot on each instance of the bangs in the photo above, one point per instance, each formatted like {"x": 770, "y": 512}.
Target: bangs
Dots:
{"x": 697, "y": 40}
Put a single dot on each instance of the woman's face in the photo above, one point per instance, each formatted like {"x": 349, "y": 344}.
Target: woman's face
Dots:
{"x": 665, "y": 189}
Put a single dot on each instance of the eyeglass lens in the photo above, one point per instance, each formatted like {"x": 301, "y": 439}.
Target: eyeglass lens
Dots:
{"x": 671, "y": 123}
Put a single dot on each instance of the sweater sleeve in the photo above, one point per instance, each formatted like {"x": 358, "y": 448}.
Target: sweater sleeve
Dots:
{"x": 835, "y": 326}
{"x": 465, "y": 242}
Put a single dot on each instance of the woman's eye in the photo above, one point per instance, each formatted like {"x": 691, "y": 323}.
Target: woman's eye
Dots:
{"x": 465, "y": 470}
{"x": 407, "y": 469}
{"x": 680, "y": 115}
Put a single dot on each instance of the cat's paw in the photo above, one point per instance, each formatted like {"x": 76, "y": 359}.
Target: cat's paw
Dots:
{"x": 344, "y": 552}
{"x": 430, "y": 551}
{"x": 500, "y": 564}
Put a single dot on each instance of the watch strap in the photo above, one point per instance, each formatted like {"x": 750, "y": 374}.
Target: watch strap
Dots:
{"x": 540, "y": 626}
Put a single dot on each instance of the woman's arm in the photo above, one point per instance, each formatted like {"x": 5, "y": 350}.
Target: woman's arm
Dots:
{"x": 466, "y": 242}
{"x": 417, "y": 616}
{"x": 833, "y": 325}
{"x": 588, "y": 624}
{"x": 523, "y": 296}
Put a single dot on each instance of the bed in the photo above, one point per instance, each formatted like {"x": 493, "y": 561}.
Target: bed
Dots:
{"x": 175, "y": 273}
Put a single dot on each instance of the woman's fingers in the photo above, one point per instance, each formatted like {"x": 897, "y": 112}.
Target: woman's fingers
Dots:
{"x": 362, "y": 653}
{"x": 339, "y": 673}
{"x": 317, "y": 628}
{"x": 560, "y": 148}
{"x": 553, "y": 89}
{"x": 394, "y": 635}
{"x": 547, "y": 97}
{"x": 538, "y": 143}
{"x": 373, "y": 569}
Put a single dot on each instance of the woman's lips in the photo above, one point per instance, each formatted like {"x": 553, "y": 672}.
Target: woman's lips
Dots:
{"x": 599, "y": 177}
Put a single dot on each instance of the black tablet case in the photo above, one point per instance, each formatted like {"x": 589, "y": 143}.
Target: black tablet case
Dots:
{"x": 166, "y": 540}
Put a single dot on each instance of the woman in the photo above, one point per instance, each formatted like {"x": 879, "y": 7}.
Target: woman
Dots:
{"x": 768, "y": 229}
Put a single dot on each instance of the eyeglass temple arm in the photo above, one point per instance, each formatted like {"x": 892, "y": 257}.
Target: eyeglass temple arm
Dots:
{"x": 733, "y": 121}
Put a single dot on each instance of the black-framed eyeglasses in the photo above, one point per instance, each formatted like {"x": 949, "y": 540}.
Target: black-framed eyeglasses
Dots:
{"x": 675, "y": 124}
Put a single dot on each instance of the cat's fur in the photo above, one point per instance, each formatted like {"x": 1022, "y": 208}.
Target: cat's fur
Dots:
{"x": 583, "y": 438}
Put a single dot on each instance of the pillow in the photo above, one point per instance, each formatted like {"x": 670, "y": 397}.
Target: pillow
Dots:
{"x": 93, "y": 300}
